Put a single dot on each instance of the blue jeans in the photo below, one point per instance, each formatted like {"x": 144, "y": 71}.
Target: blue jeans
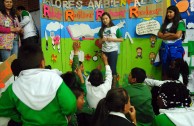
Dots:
{"x": 5, "y": 53}
{"x": 112, "y": 61}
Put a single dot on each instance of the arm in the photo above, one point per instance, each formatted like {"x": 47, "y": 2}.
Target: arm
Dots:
{"x": 114, "y": 39}
{"x": 152, "y": 82}
{"x": 25, "y": 18}
{"x": 118, "y": 35}
{"x": 172, "y": 36}
{"x": 5, "y": 29}
{"x": 102, "y": 40}
{"x": 67, "y": 100}
{"x": 108, "y": 74}
{"x": 25, "y": 21}
{"x": 9, "y": 30}
{"x": 75, "y": 63}
{"x": 7, "y": 105}
{"x": 79, "y": 74}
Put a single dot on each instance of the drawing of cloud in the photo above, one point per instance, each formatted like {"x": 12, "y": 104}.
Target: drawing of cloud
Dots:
{"x": 190, "y": 25}
{"x": 54, "y": 26}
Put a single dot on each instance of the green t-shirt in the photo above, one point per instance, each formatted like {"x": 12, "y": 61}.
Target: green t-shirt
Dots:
{"x": 140, "y": 98}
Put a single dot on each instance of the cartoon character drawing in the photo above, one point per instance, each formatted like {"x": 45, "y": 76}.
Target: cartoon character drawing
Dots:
{"x": 152, "y": 57}
{"x": 56, "y": 42}
{"x": 153, "y": 41}
{"x": 139, "y": 52}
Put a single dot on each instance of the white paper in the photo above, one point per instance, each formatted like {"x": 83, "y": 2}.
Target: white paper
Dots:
{"x": 190, "y": 34}
{"x": 192, "y": 5}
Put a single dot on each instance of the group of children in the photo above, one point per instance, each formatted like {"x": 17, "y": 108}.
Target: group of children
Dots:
{"x": 42, "y": 96}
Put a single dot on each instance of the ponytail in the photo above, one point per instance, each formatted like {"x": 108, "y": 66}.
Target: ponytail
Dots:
{"x": 101, "y": 113}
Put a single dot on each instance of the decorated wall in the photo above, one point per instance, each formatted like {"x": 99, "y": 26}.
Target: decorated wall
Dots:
{"x": 63, "y": 22}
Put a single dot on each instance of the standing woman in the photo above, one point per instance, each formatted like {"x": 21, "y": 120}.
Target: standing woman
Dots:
{"x": 9, "y": 29}
{"x": 173, "y": 33}
{"x": 110, "y": 35}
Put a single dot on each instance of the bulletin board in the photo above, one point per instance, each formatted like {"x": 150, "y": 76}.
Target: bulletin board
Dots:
{"x": 63, "y": 22}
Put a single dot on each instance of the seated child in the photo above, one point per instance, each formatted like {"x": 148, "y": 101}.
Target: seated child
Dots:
{"x": 111, "y": 110}
{"x": 173, "y": 75}
{"x": 38, "y": 96}
{"x": 96, "y": 86}
{"x": 79, "y": 93}
{"x": 140, "y": 96}
{"x": 173, "y": 101}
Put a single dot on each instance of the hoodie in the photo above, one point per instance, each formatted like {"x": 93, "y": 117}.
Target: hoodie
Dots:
{"x": 38, "y": 97}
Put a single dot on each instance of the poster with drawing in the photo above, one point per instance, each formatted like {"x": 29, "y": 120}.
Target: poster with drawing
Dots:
{"x": 64, "y": 22}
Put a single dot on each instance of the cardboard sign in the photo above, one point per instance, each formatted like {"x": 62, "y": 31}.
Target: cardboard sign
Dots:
{"x": 148, "y": 27}
{"x": 51, "y": 13}
{"x": 5, "y": 70}
{"x": 79, "y": 15}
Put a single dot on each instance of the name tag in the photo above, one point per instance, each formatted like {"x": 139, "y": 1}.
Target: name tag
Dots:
{"x": 7, "y": 24}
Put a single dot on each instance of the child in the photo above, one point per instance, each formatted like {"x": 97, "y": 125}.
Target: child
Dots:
{"x": 110, "y": 35}
{"x": 38, "y": 96}
{"x": 140, "y": 96}
{"x": 173, "y": 33}
{"x": 79, "y": 93}
{"x": 96, "y": 86}
{"x": 173, "y": 101}
{"x": 30, "y": 34}
{"x": 172, "y": 76}
{"x": 111, "y": 110}
{"x": 183, "y": 68}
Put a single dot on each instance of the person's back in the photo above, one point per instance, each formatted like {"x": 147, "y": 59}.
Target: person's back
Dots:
{"x": 96, "y": 87}
{"x": 38, "y": 96}
{"x": 27, "y": 23}
{"x": 140, "y": 96}
{"x": 174, "y": 102}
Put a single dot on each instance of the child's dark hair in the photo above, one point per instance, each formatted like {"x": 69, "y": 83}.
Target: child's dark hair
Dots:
{"x": 177, "y": 18}
{"x": 139, "y": 74}
{"x": 173, "y": 73}
{"x": 15, "y": 67}
{"x": 96, "y": 77}
{"x": 71, "y": 80}
{"x": 29, "y": 57}
{"x": 174, "y": 94}
{"x": 138, "y": 48}
{"x": 77, "y": 91}
{"x": 21, "y": 8}
{"x": 115, "y": 100}
{"x": 183, "y": 68}
{"x": 103, "y": 26}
